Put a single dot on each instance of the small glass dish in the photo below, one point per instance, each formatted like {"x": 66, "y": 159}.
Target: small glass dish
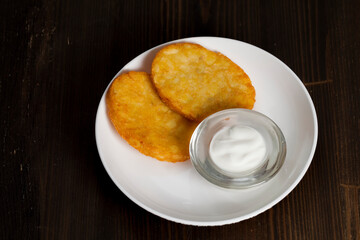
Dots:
{"x": 204, "y": 133}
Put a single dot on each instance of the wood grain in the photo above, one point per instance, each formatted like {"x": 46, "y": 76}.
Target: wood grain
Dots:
{"x": 57, "y": 57}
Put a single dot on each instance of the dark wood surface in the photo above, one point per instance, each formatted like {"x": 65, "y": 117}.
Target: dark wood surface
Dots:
{"x": 57, "y": 58}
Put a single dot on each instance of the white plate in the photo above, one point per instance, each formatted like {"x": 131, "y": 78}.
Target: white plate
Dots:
{"x": 176, "y": 191}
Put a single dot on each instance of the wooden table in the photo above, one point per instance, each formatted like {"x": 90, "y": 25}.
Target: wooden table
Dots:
{"x": 57, "y": 57}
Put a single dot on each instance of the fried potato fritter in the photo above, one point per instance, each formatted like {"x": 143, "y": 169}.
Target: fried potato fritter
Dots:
{"x": 197, "y": 82}
{"x": 144, "y": 121}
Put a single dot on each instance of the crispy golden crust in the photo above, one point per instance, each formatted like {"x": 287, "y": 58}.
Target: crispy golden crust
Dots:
{"x": 197, "y": 82}
{"x": 144, "y": 121}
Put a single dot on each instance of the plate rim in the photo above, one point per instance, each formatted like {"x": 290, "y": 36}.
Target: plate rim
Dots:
{"x": 230, "y": 220}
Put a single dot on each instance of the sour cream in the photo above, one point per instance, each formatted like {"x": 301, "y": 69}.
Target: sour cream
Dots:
{"x": 237, "y": 149}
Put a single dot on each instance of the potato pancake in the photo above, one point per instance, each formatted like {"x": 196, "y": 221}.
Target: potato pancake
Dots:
{"x": 144, "y": 121}
{"x": 197, "y": 82}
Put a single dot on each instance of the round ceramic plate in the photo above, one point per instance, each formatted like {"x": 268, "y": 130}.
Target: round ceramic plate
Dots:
{"x": 175, "y": 191}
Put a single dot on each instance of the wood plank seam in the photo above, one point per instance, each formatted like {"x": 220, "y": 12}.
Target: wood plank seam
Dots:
{"x": 318, "y": 82}
{"x": 352, "y": 217}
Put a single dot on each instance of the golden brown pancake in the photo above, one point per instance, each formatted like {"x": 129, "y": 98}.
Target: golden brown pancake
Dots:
{"x": 197, "y": 82}
{"x": 144, "y": 121}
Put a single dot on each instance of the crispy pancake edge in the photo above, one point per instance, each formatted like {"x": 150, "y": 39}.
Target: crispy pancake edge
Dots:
{"x": 146, "y": 148}
{"x": 174, "y": 104}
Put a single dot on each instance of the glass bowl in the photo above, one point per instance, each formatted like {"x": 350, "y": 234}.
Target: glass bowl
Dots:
{"x": 206, "y": 166}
